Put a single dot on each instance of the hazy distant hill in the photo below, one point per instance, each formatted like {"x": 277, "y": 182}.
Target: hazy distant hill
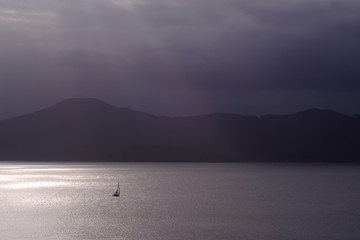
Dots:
{"x": 89, "y": 129}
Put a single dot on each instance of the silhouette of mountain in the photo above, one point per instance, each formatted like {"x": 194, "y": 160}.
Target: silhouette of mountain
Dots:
{"x": 91, "y": 130}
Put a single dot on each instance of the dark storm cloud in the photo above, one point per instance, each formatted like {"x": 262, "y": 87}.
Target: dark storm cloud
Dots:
{"x": 184, "y": 56}
{"x": 282, "y": 47}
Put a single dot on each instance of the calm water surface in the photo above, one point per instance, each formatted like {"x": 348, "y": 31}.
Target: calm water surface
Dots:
{"x": 179, "y": 201}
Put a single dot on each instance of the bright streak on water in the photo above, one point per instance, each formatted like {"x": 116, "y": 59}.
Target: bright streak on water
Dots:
{"x": 38, "y": 184}
{"x": 179, "y": 201}
{"x": 46, "y": 169}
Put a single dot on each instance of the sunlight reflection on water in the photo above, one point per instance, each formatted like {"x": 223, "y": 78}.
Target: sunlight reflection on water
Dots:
{"x": 46, "y": 169}
{"x": 5, "y": 178}
{"x": 38, "y": 176}
{"x": 37, "y": 184}
{"x": 178, "y": 201}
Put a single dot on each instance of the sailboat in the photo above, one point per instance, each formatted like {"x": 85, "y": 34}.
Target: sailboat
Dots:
{"x": 117, "y": 192}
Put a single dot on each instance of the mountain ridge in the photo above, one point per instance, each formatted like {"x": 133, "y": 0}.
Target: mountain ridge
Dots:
{"x": 81, "y": 102}
{"x": 89, "y": 129}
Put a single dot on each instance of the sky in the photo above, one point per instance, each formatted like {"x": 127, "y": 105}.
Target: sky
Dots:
{"x": 181, "y": 57}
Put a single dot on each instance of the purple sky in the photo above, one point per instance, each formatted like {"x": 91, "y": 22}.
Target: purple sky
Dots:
{"x": 181, "y": 57}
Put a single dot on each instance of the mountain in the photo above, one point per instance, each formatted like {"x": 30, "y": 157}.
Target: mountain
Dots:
{"x": 88, "y": 129}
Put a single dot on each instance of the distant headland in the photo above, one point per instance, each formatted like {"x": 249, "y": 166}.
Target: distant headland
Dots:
{"x": 87, "y": 129}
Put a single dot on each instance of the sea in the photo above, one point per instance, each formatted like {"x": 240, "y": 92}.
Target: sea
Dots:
{"x": 179, "y": 201}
